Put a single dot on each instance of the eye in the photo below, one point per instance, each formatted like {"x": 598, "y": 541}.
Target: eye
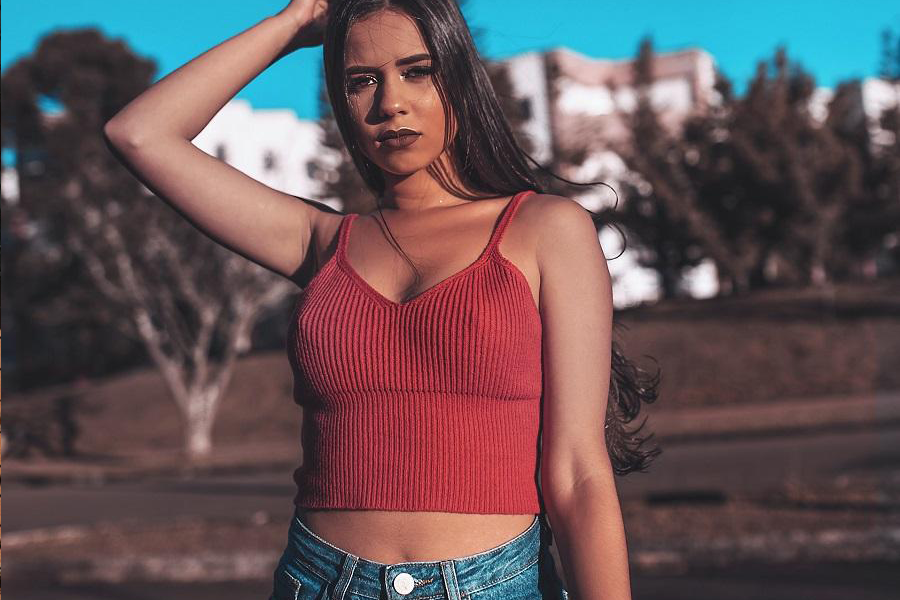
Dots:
{"x": 355, "y": 84}
{"x": 423, "y": 71}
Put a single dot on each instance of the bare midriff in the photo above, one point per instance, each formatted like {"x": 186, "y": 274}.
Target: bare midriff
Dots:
{"x": 392, "y": 537}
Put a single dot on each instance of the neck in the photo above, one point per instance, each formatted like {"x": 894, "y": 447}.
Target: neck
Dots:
{"x": 419, "y": 191}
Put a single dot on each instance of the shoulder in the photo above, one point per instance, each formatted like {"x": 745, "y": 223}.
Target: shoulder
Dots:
{"x": 550, "y": 212}
{"x": 559, "y": 226}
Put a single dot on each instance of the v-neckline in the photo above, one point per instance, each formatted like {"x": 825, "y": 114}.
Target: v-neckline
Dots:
{"x": 493, "y": 241}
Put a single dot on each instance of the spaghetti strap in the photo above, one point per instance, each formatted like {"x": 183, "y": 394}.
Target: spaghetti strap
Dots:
{"x": 509, "y": 212}
{"x": 344, "y": 233}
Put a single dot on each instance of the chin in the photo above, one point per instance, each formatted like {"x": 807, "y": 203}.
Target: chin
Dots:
{"x": 405, "y": 165}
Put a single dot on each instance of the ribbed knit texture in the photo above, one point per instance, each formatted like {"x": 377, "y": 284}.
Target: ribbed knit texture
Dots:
{"x": 427, "y": 405}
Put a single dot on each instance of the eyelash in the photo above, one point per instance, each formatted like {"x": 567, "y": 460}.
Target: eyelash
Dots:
{"x": 354, "y": 84}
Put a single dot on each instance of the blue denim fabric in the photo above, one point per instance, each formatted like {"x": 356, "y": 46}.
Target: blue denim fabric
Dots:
{"x": 521, "y": 569}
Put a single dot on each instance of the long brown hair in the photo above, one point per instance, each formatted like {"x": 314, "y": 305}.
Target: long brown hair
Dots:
{"x": 486, "y": 158}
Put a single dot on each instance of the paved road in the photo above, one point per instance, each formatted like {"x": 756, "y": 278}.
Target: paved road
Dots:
{"x": 751, "y": 465}
{"x": 685, "y": 468}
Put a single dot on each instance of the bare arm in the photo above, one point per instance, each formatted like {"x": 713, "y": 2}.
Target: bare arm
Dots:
{"x": 152, "y": 136}
{"x": 577, "y": 479}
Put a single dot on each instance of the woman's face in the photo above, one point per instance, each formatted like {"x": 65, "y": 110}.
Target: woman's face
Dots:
{"x": 388, "y": 78}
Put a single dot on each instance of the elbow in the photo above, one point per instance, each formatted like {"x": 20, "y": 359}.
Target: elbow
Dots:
{"x": 120, "y": 135}
{"x": 568, "y": 487}
{"x": 590, "y": 497}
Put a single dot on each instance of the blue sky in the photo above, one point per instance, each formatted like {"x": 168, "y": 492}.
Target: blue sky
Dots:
{"x": 833, "y": 39}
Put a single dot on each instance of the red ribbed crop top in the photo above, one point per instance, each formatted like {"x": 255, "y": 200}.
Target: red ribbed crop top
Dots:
{"x": 432, "y": 404}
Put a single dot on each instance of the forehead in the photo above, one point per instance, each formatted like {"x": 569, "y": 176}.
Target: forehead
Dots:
{"x": 383, "y": 37}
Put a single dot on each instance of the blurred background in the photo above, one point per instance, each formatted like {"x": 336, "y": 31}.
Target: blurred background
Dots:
{"x": 753, "y": 238}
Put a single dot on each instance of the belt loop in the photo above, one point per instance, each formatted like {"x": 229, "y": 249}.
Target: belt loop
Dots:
{"x": 448, "y": 570}
{"x": 343, "y": 582}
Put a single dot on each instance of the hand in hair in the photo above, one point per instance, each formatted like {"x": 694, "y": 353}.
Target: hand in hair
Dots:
{"x": 310, "y": 17}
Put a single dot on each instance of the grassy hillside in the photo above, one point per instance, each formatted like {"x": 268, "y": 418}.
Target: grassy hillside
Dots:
{"x": 770, "y": 345}
{"x": 759, "y": 349}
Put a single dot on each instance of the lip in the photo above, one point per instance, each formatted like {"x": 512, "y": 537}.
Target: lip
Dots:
{"x": 389, "y": 133}
{"x": 391, "y": 139}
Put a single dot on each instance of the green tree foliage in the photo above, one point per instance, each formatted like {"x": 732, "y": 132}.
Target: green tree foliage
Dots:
{"x": 661, "y": 212}
{"x": 54, "y": 105}
{"x": 886, "y": 183}
{"x": 190, "y": 302}
{"x": 794, "y": 173}
{"x": 761, "y": 184}
{"x": 889, "y": 66}
{"x": 873, "y": 213}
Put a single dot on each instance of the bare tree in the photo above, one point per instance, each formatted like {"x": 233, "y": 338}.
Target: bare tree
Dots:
{"x": 189, "y": 301}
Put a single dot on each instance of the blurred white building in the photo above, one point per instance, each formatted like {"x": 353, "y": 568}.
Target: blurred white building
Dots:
{"x": 580, "y": 107}
{"x": 577, "y": 103}
{"x": 281, "y": 150}
{"x": 9, "y": 185}
{"x": 273, "y": 146}
{"x": 876, "y": 96}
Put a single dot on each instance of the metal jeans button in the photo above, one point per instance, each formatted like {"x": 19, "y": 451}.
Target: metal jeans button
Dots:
{"x": 404, "y": 583}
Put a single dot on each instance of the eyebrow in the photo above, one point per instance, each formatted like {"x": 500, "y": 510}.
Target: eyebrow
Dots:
{"x": 400, "y": 61}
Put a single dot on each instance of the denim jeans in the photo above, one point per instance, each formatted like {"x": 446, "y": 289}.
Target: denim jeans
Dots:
{"x": 520, "y": 569}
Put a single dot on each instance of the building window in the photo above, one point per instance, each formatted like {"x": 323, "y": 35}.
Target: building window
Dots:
{"x": 269, "y": 161}
{"x": 525, "y": 108}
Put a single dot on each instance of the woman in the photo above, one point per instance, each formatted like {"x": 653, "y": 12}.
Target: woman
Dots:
{"x": 427, "y": 392}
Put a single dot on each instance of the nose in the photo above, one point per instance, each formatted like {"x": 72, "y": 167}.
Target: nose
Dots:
{"x": 391, "y": 99}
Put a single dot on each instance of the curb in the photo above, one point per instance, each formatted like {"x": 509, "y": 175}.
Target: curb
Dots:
{"x": 838, "y": 413}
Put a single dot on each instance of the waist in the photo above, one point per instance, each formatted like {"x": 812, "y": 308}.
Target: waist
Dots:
{"x": 391, "y": 537}
{"x": 462, "y": 575}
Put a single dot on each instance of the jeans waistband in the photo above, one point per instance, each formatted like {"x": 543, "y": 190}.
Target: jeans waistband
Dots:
{"x": 423, "y": 579}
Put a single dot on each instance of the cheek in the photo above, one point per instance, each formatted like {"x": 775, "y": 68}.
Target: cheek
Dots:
{"x": 431, "y": 108}
{"x": 430, "y": 104}
{"x": 357, "y": 118}
{"x": 355, "y": 108}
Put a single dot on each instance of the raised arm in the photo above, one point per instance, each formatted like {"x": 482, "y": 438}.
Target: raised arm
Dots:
{"x": 152, "y": 136}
